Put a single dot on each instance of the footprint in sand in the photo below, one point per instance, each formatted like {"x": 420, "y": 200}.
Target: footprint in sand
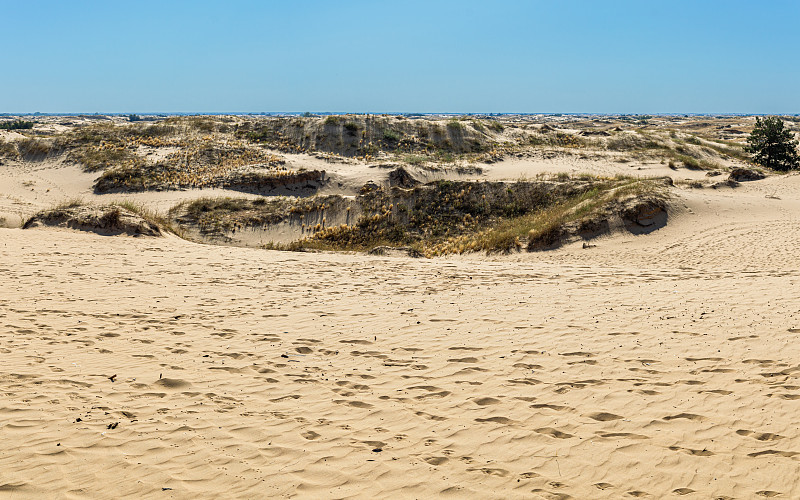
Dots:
{"x": 788, "y": 454}
{"x": 551, "y": 495}
{"x": 767, "y": 493}
{"x": 310, "y": 435}
{"x": 490, "y": 471}
{"x": 436, "y": 460}
{"x": 697, "y": 453}
{"x": 526, "y": 366}
{"x": 603, "y": 416}
{"x": 497, "y": 420}
{"x": 688, "y": 416}
{"x": 436, "y": 418}
{"x": 761, "y": 436}
{"x": 429, "y": 388}
{"x": 550, "y": 407}
{"x": 525, "y": 381}
{"x": 603, "y": 486}
{"x": 284, "y": 398}
{"x": 683, "y": 491}
{"x": 549, "y": 431}
{"x": 627, "y": 435}
{"x": 486, "y": 401}
{"x": 355, "y": 404}
{"x": 463, "y": 360}
{"x": 433, "y": 395}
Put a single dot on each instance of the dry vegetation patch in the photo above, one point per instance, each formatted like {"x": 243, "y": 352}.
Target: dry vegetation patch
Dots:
{"x": 110, "y": 219}
{"x": 446, "y": 217}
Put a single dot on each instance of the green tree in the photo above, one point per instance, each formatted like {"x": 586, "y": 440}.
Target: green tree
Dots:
{"x": 772, "y": 145}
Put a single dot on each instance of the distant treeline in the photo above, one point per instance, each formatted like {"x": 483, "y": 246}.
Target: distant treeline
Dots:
{"x": 16, "y": 125}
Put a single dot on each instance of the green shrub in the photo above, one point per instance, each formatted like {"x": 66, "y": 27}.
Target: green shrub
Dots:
{"x": 391, "y": 135}
{"x": 16, "y": 125}
{"x": 455, "y": 125}
{"x": 351, "y": 128}
{"x": 772, "y": 145}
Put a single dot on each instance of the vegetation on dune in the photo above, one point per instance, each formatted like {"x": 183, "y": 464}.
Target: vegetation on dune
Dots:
{"x": 772, "y": 145}
{"x": 212, "y": 215}
{"x": 165, "y": 176}
{"x": 364, "y": 136}
{"x": 16, "y": 125}
{"x": 203, "y": 164}
{"x": 457, "y": 217}
{"x": 94, "y": 158}
{"x": 116, "y": 217}
{"x": 8, "y": 149}
{"x": 37, "y": 149}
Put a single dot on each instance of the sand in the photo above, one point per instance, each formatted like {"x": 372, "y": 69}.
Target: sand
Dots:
{"x": 648, "y": 366}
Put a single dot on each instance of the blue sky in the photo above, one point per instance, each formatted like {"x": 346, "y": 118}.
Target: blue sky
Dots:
{"x": 645, "y": 56}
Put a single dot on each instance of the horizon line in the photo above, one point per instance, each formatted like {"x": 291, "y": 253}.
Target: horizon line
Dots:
{"x": 392, "y": 113}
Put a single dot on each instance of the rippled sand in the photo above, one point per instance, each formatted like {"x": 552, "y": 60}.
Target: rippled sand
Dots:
{"x": 648, "y": 366}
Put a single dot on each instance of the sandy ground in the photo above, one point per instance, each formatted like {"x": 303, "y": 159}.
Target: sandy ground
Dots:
{"x": 650, "y": 366}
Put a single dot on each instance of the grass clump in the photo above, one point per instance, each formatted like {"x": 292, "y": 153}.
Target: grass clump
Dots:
{"x": 351, "y": 128}
{"x": 35, "y": 149}
{"x": 632, "y": 142}
{"x": 390, "y": 135}
{"x": 495, "y": 126}
{"x": 8, "y": 149}
{"x": 414, "y": 160}
{"x": 455, "y": 125}
{"x": 94, "y": 158}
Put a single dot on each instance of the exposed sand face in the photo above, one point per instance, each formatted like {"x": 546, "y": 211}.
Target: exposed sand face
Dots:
{"x": 652, "y": 365}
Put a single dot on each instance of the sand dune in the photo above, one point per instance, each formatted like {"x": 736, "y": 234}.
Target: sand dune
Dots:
{"x": 650, "y": 366}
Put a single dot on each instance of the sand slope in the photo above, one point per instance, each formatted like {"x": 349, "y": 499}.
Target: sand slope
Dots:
{"x": 648, "y": 366}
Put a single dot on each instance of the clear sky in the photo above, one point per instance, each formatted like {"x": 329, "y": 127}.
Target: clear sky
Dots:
{"x": 460, "y": 56}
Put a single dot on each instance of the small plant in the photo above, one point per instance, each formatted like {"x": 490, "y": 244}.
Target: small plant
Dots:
{"x": 455, "y": 125}
{"x": 351, "y": 128}
{"x": 331, "y": 120}
{"x": 415, "y": 160}
{"x": 495, "y": 126}
{"x": 390, "y": 135}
